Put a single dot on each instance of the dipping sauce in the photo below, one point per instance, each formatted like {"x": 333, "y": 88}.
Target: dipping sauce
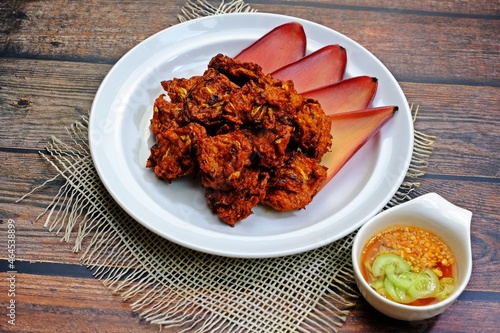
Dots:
{"x": 419, "y": 270}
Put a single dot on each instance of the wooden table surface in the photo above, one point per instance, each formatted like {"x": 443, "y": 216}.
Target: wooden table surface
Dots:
{"x": 55, "y": 53}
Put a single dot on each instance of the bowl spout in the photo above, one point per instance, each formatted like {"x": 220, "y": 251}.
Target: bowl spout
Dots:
{"x": 453, "y": 217}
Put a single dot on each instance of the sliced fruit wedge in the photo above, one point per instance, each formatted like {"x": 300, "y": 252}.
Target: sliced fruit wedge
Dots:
{"x": 347, "y": 95}
{"x": 350, "y": 131}
{"x": 320, "y": 68}
{"x": 279, "y": 47}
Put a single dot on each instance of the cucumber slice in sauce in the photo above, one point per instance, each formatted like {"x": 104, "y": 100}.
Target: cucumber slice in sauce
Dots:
{"x": 389, "y": 263}
{"x": 426, "y": 284}
{"x": 397, "y": 294}
{"x": 398, "y": 282}
{"x": 404, "y": 280}
{"x": 446, "y": 287}
{"x": 377, "y": 284}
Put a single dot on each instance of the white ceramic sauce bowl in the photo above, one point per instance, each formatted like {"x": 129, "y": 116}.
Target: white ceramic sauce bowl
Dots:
{"x": 433, "y": 213}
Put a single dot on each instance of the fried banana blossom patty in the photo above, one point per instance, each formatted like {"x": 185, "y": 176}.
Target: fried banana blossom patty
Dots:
{"x": 249, "y": 138}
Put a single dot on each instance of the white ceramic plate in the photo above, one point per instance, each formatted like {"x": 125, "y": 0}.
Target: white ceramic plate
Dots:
{"x": 120, "y": 140}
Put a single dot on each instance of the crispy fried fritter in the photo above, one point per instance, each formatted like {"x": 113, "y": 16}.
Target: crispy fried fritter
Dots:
{"x": 312, "y": 130}
{"x": 223, "y": 159}
{"x": 173, "y": 155}
{"x": 262, "y": 103}
{"x": 235, "y": 205}
{"x": 178, "y": 89}
{"x": 238, "y": 72}
{"x": 166, "y": 115}
{"x": 202, "y": 97}
{"x": 249, "y": 138}
{"x": 207, "y": 98}
{"x": 270, "y": 144}
{"x": 293, "y": 185}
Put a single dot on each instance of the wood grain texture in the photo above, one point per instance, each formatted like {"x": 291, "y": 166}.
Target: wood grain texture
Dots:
{"x": 48, "y": 304}
{"x": 69, "y": 89}
{"x": 464, "y": 316}
{"x": 90, "y": 31}
{"x": 465, "y": 121}
{"x": 414, "y": 53}
{"x": 54, "y": 55}
{"x": 431, "y": 7}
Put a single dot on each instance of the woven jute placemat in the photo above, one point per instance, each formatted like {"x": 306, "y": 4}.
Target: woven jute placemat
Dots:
{"x": 170, "y": 285}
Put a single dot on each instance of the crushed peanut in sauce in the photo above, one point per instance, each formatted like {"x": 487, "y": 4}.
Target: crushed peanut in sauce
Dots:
{"x": 421, "y": 248}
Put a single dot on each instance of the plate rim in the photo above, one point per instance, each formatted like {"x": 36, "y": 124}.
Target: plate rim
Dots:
{"x": 218, "y": 251}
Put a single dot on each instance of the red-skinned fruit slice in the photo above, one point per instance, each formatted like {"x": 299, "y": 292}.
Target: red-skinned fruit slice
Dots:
{"x": 279, "y": 47}
{"x": 348, "y": 95}
{"x": 350, "y": 131}
{"x": 320, "y": 68}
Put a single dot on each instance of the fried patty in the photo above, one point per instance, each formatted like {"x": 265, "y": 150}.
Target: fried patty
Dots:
{"x": 249, "y": 138}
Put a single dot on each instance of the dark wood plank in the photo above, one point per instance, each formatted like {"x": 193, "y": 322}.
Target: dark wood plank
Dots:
{"x": 465, "y": 124}
{"x": 10, "y": 19}
{"x": 60, "y": 304}
{"x": 421, "y": 40}
{"x": 55, "y": 94}
{"x": 34, "y": 243}
{"x": 462, "y": 316}
{"x": 62, "y": 30}
{"x": 446, "y": 7}
{"x": 416, "y": 47}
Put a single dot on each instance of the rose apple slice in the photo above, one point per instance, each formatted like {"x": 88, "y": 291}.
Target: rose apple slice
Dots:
{"x": 279, "y": 47}
{"x": 347, "y": 95}
{"x": 350, "y": 131}
{"x": 320, "y": 68}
